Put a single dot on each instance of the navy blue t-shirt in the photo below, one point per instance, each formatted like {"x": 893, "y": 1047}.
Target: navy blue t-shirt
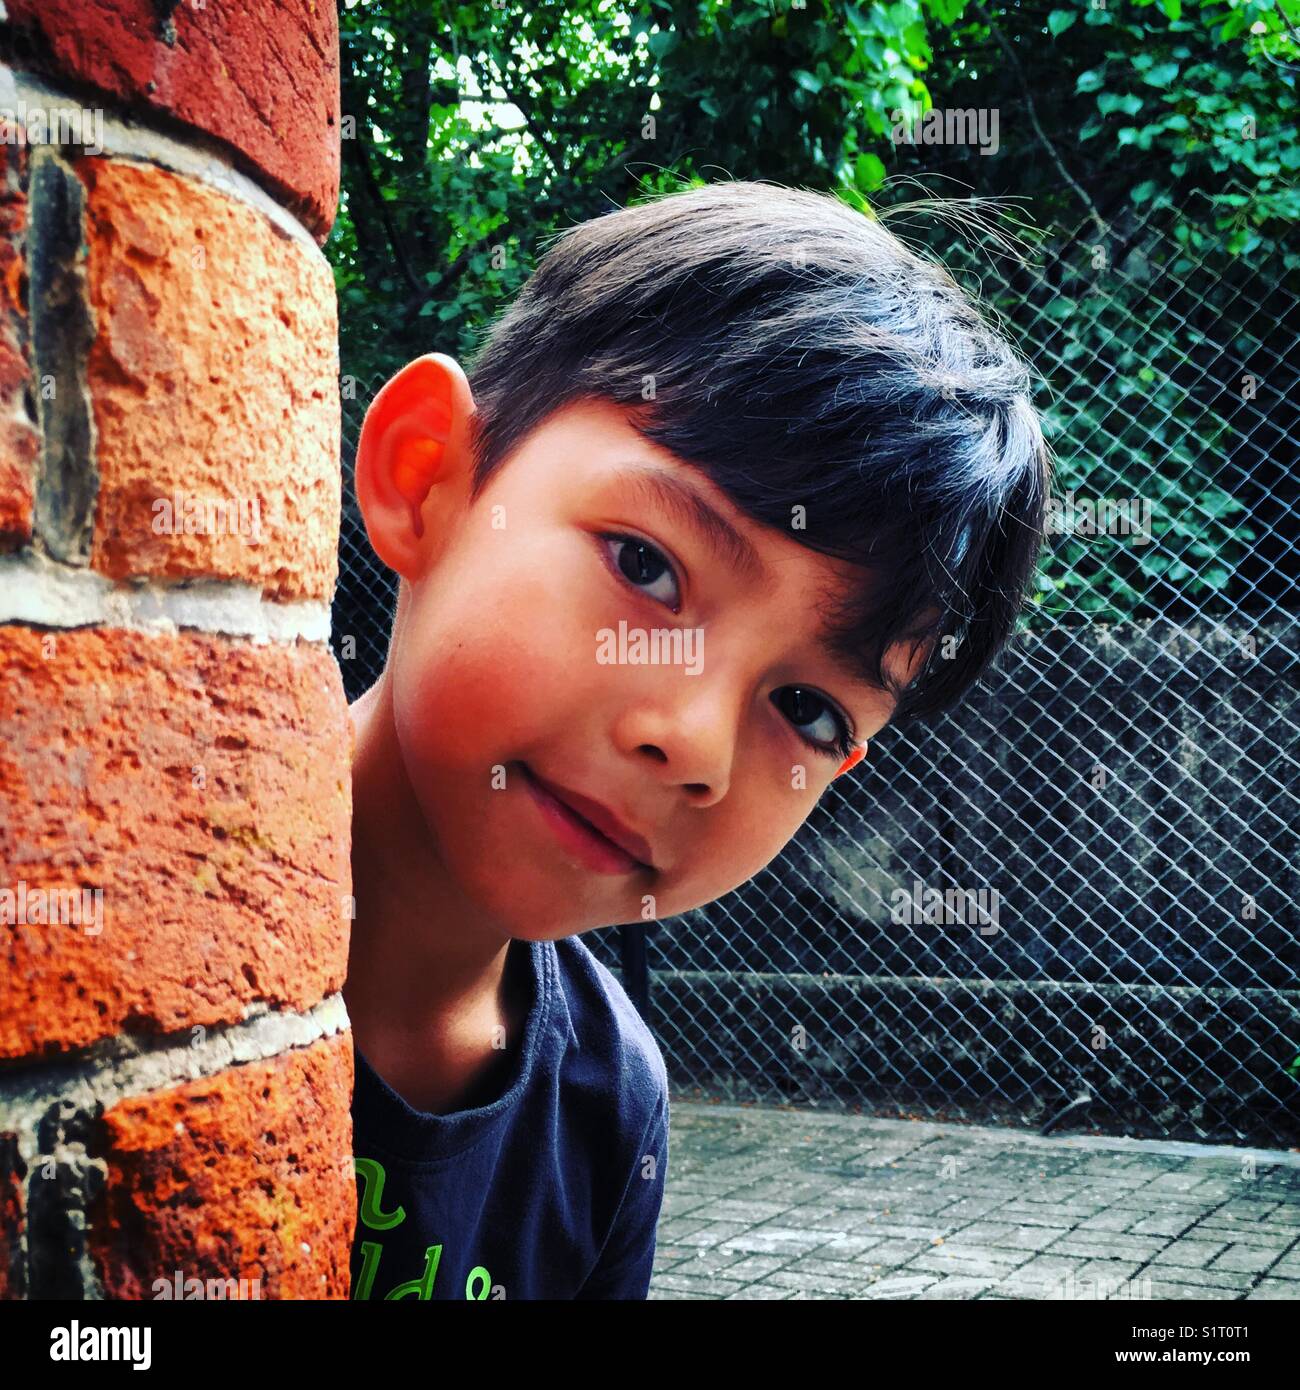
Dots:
{"x": 550, "y": 1190}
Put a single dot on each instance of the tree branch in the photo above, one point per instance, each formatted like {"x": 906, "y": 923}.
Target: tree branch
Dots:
{"x": 1033, "y": 116}
{"x": 358, "y": 158}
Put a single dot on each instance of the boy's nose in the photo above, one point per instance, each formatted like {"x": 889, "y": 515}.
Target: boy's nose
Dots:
{"x": 689, "y": 732}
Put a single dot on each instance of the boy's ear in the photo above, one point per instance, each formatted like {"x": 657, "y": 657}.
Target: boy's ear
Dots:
{"x": 853, "y": 759}
{"x": 413, "y": 435}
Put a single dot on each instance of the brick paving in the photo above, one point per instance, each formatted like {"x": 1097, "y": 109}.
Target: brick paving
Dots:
{"x": 771, "y": 1203}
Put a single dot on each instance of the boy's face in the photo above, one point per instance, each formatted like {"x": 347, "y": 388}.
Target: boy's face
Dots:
{"x": 508, "y": 668}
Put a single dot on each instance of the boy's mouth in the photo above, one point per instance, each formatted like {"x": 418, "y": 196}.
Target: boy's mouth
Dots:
{"x": 595, "y": 846}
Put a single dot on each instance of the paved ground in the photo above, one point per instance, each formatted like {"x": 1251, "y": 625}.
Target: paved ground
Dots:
{"x": 764, "y": 1202}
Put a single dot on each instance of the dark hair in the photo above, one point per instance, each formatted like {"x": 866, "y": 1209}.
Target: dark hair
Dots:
{"x": 800, "y": 354}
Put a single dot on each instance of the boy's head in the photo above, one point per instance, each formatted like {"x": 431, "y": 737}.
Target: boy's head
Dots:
{"x": 743, "y": 412}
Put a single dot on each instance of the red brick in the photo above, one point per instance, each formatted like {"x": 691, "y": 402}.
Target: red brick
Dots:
{"x": 214, "y": 898}
{"x": 19, "y": 442}
{"x": 229, "y": 1178}
{"x": 212, "y": 375}
{"x": 260, "y": 76}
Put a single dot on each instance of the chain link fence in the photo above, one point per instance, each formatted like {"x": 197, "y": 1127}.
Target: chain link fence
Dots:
{"x": 1070, "y": 903}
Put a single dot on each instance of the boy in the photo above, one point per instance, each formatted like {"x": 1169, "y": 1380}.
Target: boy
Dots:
{"x": 739, "y": 412}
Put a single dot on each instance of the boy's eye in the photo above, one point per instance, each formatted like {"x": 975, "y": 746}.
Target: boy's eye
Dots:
{"x": 644, "y": 567}
{"x": 818, "y": 722}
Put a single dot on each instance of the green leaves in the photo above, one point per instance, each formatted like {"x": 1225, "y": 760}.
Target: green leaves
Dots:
{"x": 1160, "y": 75}
{"x": 1060, "y": 20}
{"x": 946, "y": 11}
{"x": 868, "y": 172}
{"x": 1217, "y": 503}
{"x": 663, "y": 41}
{"x": 1110, "y": 102}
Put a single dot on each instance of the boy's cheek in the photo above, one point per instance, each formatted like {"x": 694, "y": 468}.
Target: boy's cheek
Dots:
{"x": 463, "y": 705}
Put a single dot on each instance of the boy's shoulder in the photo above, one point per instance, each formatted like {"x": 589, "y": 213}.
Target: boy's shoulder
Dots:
{"x": 611, "y": 1047}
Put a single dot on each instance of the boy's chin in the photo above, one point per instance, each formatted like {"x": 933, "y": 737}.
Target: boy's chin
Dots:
{"x": 528, "y": 905}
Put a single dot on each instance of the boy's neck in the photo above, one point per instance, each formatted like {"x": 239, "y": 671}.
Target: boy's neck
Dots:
{"x": 425, "y": 989}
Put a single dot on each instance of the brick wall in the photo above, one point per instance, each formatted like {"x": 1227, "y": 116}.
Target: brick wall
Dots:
{"x": 175, "y": 1063}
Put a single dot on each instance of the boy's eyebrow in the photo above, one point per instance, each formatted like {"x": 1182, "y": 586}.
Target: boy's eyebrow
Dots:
{"x": 693, "y": 509}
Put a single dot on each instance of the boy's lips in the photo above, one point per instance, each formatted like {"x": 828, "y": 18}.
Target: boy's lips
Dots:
{"x": 598, "y": 819}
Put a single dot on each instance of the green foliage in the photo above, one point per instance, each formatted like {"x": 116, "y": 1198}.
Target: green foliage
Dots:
{"x": 481, "y": 131}
{"x": 1161, "y": 130}
{"x": 1213, "y": 101}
